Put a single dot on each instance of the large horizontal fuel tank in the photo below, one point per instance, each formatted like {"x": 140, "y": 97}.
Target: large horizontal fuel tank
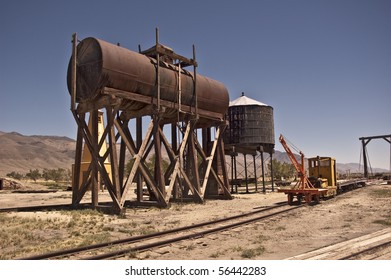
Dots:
{"x": 101, "y": 64}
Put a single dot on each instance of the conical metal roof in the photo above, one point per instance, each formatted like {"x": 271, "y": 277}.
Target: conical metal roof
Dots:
{"x": 244, "y": 101}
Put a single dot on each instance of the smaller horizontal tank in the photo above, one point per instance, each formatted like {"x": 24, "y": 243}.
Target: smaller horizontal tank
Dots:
{"x": 250, "y": 124}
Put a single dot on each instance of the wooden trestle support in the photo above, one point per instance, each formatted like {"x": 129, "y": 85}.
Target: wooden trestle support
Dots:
{"x": 195, "y": 171}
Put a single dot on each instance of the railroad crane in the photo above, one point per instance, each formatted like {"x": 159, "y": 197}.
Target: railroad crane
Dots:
{"x": 310, "y": 188}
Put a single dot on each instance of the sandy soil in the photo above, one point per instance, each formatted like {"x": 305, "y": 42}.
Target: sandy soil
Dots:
{"x": 350, "y": 215}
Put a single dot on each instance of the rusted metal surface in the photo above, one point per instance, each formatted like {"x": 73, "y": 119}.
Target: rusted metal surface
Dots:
{"x": 101, "y": 64}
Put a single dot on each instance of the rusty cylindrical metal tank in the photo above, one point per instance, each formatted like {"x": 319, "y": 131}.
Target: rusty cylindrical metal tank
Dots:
{"x": 101, "y": 64}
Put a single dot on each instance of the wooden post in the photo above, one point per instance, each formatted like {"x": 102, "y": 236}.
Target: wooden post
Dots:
{"x": 195, "y": 81}
{"x": 255, "y": 174}
{"x": 235, "y": 168}
{"x": 158, "y": 70}
{"x": 77, "y": 166}
{"x": 263, "y": 173}
{"x": 224, "y": 173}
{"x": 113, "y": 153}
{"x": 192, "y": 161}
{"x": 159, "y": 174}
{"x": 232, "y": 172}
{"x": 174, "y": 146}
{"x": 364, "y": 150}
{"x": 210, "y": 160}
{"x": 271, "y": 170}
{"x": 177, "y": 167}
{"x": 95, "y": 173}
{"x": 121, "y": 171}
{"x": 245, "y": 172}
{"x": 139, "y": 141}
{"x": 136, "y": 163}
{"x": 74, "y": 69}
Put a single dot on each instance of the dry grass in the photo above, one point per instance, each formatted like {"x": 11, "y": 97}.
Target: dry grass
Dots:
{"x": 27, "y": 234}
{"x": 381, "y": 193}
{"x": 252, "y": 252}
{"x": 23, "y": 236}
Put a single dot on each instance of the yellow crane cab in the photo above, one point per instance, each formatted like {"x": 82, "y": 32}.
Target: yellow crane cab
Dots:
{"x": 322, "y": 173}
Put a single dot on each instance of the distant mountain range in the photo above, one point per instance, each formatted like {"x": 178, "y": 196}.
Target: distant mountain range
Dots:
{"x": 21, "y": 153}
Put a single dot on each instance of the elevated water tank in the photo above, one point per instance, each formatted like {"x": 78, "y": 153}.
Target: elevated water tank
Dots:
{"x": 250, "y": 125}
{"x": 101, "y": 64}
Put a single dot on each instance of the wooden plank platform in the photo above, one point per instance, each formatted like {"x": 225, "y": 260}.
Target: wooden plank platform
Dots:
{"x": 303, "y": 191}
{"x": 309, "y": 194}
{"x": 345, "y": 248}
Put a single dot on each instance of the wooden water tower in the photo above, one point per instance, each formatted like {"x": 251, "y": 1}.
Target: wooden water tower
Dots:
{"x": 250, "y": 131}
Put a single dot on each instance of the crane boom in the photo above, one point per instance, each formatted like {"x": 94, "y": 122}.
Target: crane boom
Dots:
{"x": 300, "y": 168}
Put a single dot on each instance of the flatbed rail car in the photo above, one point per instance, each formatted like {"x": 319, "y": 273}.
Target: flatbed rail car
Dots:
{"x": 315, "y": 194}
{"x": 309, "y": 194}
{"x": 345, "y": 186}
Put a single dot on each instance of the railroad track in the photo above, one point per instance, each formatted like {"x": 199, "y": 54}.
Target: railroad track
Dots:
{"x": 123, "y": 247}
{"x": 376, "y": 245}
{"x": 54, "y": 207}
{"x": 374, "y": 252}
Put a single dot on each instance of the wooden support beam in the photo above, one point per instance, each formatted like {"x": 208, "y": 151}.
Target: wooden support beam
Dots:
{"x": 74, "y": 71}
{"x": 121, "y": 171}
{"x": 157, "y": 72}
{"x": 177, "y": 166}
{"x": 223, "y": 184}
{"x": 171, "y": 152}
{"x": 139, "y": 142}
{"x": 94, "y": 151}
{"x": 192, "y": 161}
{"x": 113, "y": 152}
{"x": 77, "y": 165}
{"x": 100, "y": 102}
{"x": 177, "y": 169}
{"x": 97, "y": 163}
{"x": 210, "y": 161}
{"x": 138, "y": 163}
{"x": 159, "y": 174}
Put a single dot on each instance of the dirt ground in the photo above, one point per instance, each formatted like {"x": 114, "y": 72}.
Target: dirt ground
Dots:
{"x": 347, "y": 216}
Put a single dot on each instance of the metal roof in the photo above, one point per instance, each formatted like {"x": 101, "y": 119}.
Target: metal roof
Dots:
{"x": 244, "y": 101}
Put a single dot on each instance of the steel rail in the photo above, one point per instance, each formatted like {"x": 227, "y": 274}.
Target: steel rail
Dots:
{"x": 50, "y": 207}
{"x": 71, "y": 251}
{"x": 37, "y": 208}
{"x": 122, "y": 252}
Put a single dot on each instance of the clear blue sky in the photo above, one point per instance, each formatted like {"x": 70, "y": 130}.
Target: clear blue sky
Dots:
{"x": 324, "y": 66}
